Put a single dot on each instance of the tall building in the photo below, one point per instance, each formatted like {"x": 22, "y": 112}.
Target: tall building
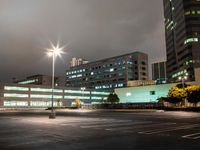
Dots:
{"x": 182, "y": 33}
{"x": 77, "y": 61}
{"x": 159, "y": 72}
{"x": 109, "y": 73}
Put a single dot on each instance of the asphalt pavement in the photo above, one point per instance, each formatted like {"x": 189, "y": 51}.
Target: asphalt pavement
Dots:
{"x": 100, "y": 130}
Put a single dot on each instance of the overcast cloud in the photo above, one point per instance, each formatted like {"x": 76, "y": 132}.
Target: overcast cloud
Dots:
{"x": 91, "y": 29}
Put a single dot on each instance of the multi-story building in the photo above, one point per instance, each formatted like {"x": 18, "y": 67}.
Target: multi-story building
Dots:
{"x": 77, "y": 61}
{"x": 29, "y": 95}
{"x": 42, "y": 80}
{"x": 159, "y": 72}
{"x": 110, "y": 73}
{"x": 182, "y": 33}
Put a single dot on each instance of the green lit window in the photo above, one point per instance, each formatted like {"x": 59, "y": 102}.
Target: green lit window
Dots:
{"x": 28, "y": 81}
{"x": 46, "y": 96}
{"x": 15, "y": 88}
{"x": 15, "y": 95}
{"x": 97, "y": 98}
{"x": 46, "y": 90}
{"x": 191, "y": 40}
{"x": 77, "y": 91}
{"x": 44, "y": 104}
{"x": 15, "y": 103}
{"x": 100, "y": 93}
{"x": 75, "y": 97}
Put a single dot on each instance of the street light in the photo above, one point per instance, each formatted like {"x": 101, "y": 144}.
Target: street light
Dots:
{"x": 53, "y": 52}
{"x": 183, "y": 79}
{"x": 82, "y": 90}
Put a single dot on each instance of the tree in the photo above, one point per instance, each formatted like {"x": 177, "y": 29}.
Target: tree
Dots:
{"x": 78, "y": 103}
{"x": 176, "y": 95}
{"x": 113, "y": 98}
{"x": 193, "y": 94}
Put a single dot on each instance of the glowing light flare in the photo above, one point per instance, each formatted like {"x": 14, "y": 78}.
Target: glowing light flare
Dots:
{"x": 55, "y": 50}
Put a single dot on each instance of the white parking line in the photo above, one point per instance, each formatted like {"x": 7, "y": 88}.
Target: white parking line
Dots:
{"x": 115, "y": 124}
{"x": 192, "y": 136}
{"x": 141, "y": 126}
{"x": 169, "y": 129}
{"x": 42, "y": 141}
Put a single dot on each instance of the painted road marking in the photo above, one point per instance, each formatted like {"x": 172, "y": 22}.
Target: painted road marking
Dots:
{"x": 192, "y": 136}
{"x": 42, "y": 141}
{"x": 82, "y": 123}
{"x": 116, "y": 124}
{"x": 169, "y": 129}
{"x": 141, "y": 126}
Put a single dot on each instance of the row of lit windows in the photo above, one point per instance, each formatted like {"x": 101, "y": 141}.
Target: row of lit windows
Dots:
{"x": 109, "y": 86}
{"x": 50, "y": 96}
{"x": 191, "y": 40}
{"x": 32, "y": 103}
{"x": 28, "y": 81}
{"x": 179, "y": 73}
{"x": 104, "y": 66}
{"x": 77, "y": 92}
{"x": 75, "y": 71}
{"x": 192, "y": 12}
{"x": 15, "y": 88}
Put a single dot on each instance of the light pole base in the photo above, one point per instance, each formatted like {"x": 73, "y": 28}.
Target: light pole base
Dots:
{"x": 52, "y": 115}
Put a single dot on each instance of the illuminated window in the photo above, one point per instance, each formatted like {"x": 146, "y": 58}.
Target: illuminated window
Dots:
{"x": 111, "y": 69}
{"x": 15, "y": 88}
{"x": 44, "y": 103}
{"x": 28, "y": 81}
{"x": 100, "y": 93}
{"x": 191, "y": 40}
{"x": 46, "y": 90}
{"x": 77, "y": 91}
{"x": 15, "y": 95}
{"x": 97, "y": 98}
{"x": 128, "y": 94}
{"x": 15, "y": 103}
{"x": 46, "y": 96}
{"x": 75, "y": 97}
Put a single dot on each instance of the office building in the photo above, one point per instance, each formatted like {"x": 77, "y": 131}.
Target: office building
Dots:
{"x": 42, "y": 80}
{"x": 182, "y": 33}
{"x": 77, "y": 61}
{"x": 40, "y": 96}
{"x": 159, "y": 74}
{"x": 109, "y": 73}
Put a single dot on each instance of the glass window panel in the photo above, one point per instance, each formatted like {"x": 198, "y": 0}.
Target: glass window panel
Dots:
{"x": 15, "y": 95}
{"x": 45, "y": 96}
{"x": 15, "y": 88}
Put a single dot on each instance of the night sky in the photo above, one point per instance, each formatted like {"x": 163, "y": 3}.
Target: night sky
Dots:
{"x": 91, "y": 29}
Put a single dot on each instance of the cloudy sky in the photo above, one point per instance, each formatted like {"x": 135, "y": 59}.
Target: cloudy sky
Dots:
{"x": 91, "y": 29}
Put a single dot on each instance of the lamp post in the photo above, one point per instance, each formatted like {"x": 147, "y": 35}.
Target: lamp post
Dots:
{"x": 183, "y": 79}
{"x": 83, "y": 89}
{"x": 53, "y": 52}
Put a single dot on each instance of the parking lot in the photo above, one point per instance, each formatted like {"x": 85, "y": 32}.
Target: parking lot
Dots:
{"x": 81, "y": 129}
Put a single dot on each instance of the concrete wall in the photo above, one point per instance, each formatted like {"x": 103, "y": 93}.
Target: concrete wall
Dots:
{"x": 143, "y": 93}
